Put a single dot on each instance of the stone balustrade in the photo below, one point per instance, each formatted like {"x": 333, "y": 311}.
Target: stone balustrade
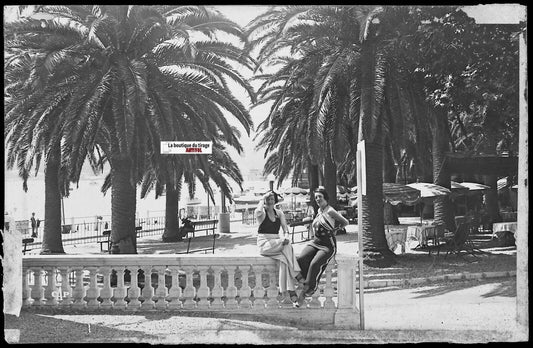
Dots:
{"x": 245, "y": 284}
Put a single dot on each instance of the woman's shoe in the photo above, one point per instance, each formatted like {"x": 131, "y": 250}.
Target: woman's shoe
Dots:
{"x": 301, "y": 299}
{"x": 293, "y": 296}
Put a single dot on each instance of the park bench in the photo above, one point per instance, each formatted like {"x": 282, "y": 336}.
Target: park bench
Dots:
{"x": 107, "y": 240}
{"x": 26, "y": 241}
{"x": 203, "y": 225}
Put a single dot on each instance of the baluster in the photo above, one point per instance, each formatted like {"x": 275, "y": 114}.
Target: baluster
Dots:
{"x": 245, "y": 290}
{"x": 37, "y": 292}
{"x": 134, "y": 291}
{"x": 121, "y": 291}
{"x": 93, "y": 292}
{"x": 79, "y": 290}
{"x": 189, "y": 292}
{"x": 217, "y": 292}
{"x": 203, "y": 290}
{"x": 161, "y": 292}
{"x": 148, "y": 291}
{"x": 174, "y": 293}
{"x": 231, "y": 290}
{"x": 315, "y": 303}
{"x": 66, "y": 290}
{"x": 50, "y": 293}
{"x": 329, "y": 291}
{"x": 106, "y": 292}
{"x": 272, "y": 290}
{"x": 26, "y": 289}
{"x": 259, "y": 291}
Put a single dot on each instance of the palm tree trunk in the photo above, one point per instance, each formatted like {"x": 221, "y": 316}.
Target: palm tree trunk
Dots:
{"x": 52, "y": 243}
{"x": 330, "y": 177}
{"x": 313, "y": 183}
{"x": 123, "y": 204}
{"x": 373, "y": 232}
{"x": 443, "y": 209}
{"x": 375, "y": 245}
{"x": 171, "y": 215}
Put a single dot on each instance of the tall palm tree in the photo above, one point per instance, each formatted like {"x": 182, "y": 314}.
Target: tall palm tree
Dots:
{"x": 121, "y": 63}
{"x": 343, "y": 70}
{"x": 31, "y": 133}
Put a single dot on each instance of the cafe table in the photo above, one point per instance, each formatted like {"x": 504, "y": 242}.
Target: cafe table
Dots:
{"x": 422, "y": 233}
{"x": 504, "y": 227}
{"x": 396, "y": 235}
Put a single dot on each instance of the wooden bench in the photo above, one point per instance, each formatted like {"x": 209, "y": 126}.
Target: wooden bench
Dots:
{"x": 26, "y": 241}
{"x": 204, "y": 225}
{"x": 107, "y": 240}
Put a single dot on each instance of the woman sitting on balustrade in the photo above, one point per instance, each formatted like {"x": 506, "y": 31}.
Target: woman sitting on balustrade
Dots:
{"x": 272, "y": 244}
{"x": 316, "y": 255}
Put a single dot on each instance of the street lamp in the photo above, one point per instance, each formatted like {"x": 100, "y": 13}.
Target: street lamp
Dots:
{"x": 271, "y": 179}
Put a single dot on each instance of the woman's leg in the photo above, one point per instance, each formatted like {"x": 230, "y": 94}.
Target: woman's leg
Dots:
{"x": 316, "y": 267}
{"x": 283, "y": 277}
{"x": 305, "y": 258}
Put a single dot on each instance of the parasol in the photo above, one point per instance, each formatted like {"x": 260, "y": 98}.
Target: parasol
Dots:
{"x": 247, "y": 199}
{"x": 429, "y": 191}
{"x": 473, "y": 186}
{"x": 394, "y": 194}
{"x": 342, "y": 192}
{"x": 294, "y": 193}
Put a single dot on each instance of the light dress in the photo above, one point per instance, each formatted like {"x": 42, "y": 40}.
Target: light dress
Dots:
{"x": 270, "y": 245}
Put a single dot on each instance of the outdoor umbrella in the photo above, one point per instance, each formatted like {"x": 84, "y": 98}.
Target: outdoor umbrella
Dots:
{"x": 294, "y": 192}
{"x": 395, "y": 194}
{"x": 429, "y": 191}
{"x": 342, "y": 193}
{"x": 247, "y": 199}
{"x": 458, "y": 189}
{"x": 473, "y": 186}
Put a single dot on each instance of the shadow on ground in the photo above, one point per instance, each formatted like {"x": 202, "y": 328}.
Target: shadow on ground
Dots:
{"x": 223, "y": 242}
{"x": 44, "y": 328}
{"x": 504, "y": 287}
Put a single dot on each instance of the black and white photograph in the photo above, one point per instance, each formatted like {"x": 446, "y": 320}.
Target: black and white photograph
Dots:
{"x": 265, "y": 174}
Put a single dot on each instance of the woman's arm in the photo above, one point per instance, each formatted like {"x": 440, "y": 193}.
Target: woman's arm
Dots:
{"x": 260, "y": 211}
{"x": 284, "y": 226}
{"x": 338, "y": 217}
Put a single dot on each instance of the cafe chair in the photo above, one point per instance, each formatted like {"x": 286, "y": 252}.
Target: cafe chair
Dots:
{"x": 460, "y": 241}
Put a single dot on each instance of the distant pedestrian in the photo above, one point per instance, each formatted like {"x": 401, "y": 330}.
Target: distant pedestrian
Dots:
{"x": 34, "y": 225}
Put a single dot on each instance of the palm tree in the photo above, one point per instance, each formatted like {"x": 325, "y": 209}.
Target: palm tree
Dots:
{"x": 343, "y": 71}
{"x": 121, "y": 63}
{"x": 31, "y": 134}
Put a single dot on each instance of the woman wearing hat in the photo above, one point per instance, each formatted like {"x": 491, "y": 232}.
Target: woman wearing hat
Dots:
{"x": 316, "y": 255}
{"x": 277, "y": 246}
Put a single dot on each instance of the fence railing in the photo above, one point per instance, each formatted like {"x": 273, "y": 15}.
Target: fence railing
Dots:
{"x": 88, "y": 232}
{"x": 194, "y": 282}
